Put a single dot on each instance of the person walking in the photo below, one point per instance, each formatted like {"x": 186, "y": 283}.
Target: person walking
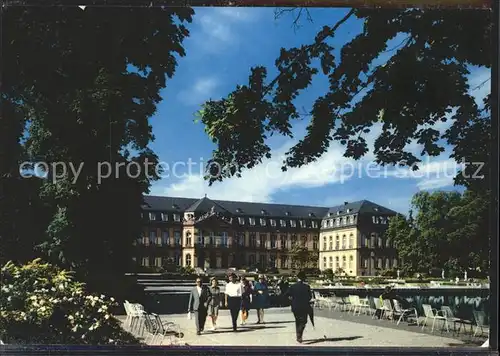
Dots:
{"x": 261, "y": 298}
{"x": 213, "y": 306}
{"x": 233, "y": 294}
{"x": 246, "y": 299}
{"x": 301, "y": 295}
{"x": 199, "y": 299}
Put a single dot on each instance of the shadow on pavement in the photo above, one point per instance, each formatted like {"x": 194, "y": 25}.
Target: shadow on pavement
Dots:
{"x": 331, "y": 339}
{"x": 244, "y": 329}
{"x": 279, "y": 322}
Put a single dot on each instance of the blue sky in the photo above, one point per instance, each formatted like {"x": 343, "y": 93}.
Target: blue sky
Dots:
{"x": 224, "y": 44}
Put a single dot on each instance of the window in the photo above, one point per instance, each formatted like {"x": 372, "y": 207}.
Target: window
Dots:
{"x": 315, "y": 242}
{"x": 380, "y": 242}
{"x": 252, "y": 221}
{"x": 158, "y": 261}
{"x": 177, "y": 217}
{"x": 178, "y": 259}
{"x": 325, "y": 224}
{"x": 330, "y": 262}
{"x": 188, "y": 239}
{"x": 304, "y": 240}
{"x": 165, "y": 237}
{"x": 253, "y": 241}
{"x": 152, "y": 216}
{"x": 314, "y": 224}
{"x": 188, "y": 260}
{"x": 240, "y": 237}
{"x": 302, "y": 223}
{"x": 224, "y": 239}
{"x": 387, "y": 263}
{"x": 294, "y": 239}
{"x": 379, "y": 263}
{"x": 241, "y": 221}
{"x": 343, "y": 262}
{"x": 283, "y": 262}
{"x": 283, "y": 223}
{"x": 351, "y": 241}
{"x": 262, "y": 221}
{"x": 351, "y": 261}
{"x": 367, "y": 242}
{"x": 145, "y": 261}
{"x": 324, "y": 262}
{"x": 324, "y": 243}
{"x": 337, "y": 242}
{"x": 344, "y": 220}
{"x": 164, "y": 217}
{"x": 331, "y": 243}
{"x": 365, "y": 262}
{"x": 293, "y": 223}
{"x": 272, "y": 261}
{"x": 374, "y": 219}
{"x": 152, "y": 237}
{"x": 337, "y": 221}
{"x": 258, "y": 239}
{"x": 273, "y": 241}
{"x": 251, "y": 260}
{"x": 201, "y": 237}
{"x": 158, "y": 240}
{"x": 262, "y": 261}
{"x": 283, "y": 241}
{"x": 352, "y": 219}
{"x": 177, "y": 238}
{"x": 272, "y": 222}
{"x": 337, "y": 265}
{"x": 394, "y": 263}
{"x": 343, "y": 242}
{"x": 388, "y": 243}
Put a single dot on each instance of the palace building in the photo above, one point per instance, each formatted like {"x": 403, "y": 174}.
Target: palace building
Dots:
{"x": 209, "y": 233}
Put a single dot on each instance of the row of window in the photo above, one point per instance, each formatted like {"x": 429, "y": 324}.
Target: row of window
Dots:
{"x": 337, "y": 243}
{"x": 364, "y": 263}
{"x": 264, "y": 261}
{"x": 345, "y": 220}
{"x": 222, "y": 240}
{"x": 164, "y": 217}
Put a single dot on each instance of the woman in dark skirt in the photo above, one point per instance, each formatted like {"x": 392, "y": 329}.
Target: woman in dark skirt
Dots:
{"x": 246, "y": 299}
{"x": 261, "y": 298}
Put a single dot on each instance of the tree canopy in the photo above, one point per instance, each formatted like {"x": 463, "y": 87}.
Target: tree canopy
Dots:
{"x": 80, "y": 88}
{"x": 423, "y": 82}
{"x": 445, "y": 223}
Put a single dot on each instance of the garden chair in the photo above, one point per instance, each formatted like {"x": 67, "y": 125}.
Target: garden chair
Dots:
{"x": 451, "y": 317}
{"x": 410, "y": 312}
{"x": 388, "y": 310}
{"x": 164, "y": 329}
{"x": 479, "y": 320}
{"x": 434, "y": 315}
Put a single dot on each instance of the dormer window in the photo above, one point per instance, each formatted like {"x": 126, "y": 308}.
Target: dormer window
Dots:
{"x": 338, "y": 212}
{"x": 272, "y": 222}
{"x": 283, "y": 223}
{"x": 175, "y": 206}
{"x": 311, "y": 215}
{"x": 241, "y": 221}
{"x": 337, "y": 221}
{"x": 344, "y": 220}
{"x": 287, "y": 213}
{"x": 348, "y": 211}
{"x": 152, "y": 216}
{"x": 293, "y": 223}
{"x": 325, "y": 224}
{"x": 314, "y": 224}
{"x": 302, "y": 223}
{"x": 376, "y": 208}
{"x": 330, "y": 214}
{"x": 252, "y": 221}
{"x": 263, "y": 212}
{"x": 177, "y": 217}
{"x": 263, "y": 222}
{"x": 164, "y": 217}
{"x": 374, "y": 219}
{"x": 238, "y": 210}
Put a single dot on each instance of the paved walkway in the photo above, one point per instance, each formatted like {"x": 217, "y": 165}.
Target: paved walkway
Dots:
{"x": 279, "y": 330}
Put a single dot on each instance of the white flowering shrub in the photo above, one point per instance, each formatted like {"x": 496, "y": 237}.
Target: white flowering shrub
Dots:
{"x": 41, "y": 304}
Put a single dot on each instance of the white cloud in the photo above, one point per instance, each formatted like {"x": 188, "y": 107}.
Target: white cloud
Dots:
{"x": 202, "y": 90}
{"x": 218, "y": 26}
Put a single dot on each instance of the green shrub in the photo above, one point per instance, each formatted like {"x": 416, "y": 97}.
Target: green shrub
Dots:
{"x": 42, "y": 304}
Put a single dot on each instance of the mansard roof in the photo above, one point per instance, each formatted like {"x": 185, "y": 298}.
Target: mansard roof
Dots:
{"x": 236, "y": 208}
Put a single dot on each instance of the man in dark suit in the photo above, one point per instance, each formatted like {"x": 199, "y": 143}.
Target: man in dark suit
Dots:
{"x": 301, "y": 295}
{"x": 199, "y": 300}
